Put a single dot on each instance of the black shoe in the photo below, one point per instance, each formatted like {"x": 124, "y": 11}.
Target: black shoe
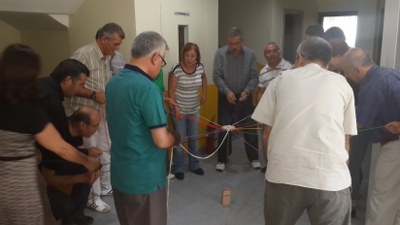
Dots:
{"x": 84, "y": 220}
{"x": 179, "y": 175}
{"x": 67, "y": 221}
{"x": 198, "y": 171}
{"x": 264, "y": 169}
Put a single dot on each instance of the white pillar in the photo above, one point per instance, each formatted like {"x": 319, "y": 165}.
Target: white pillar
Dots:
{"x": 390, "y": 38}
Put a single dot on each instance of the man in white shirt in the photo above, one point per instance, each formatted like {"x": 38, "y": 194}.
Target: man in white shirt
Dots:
{"x": 274, "y": 67}
{"x": 309, "y": 115}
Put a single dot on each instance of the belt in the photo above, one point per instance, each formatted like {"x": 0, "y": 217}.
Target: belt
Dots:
{"x": 15, "y": 158}
{"x": 389, "y": 139}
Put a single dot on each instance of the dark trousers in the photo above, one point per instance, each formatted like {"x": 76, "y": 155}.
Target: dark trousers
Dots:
{"x": 229, "y": 114}
{"x": 358, "y": 147}
{"x": 69, "y": 206}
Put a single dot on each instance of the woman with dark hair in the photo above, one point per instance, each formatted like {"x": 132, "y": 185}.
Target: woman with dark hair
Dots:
{"x": 184, "y": 82}
{"x": 22, "y": 122}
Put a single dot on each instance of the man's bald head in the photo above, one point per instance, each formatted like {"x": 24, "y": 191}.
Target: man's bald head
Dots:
{"x": 355, "y": 64}
{"x": 85, "y": 121}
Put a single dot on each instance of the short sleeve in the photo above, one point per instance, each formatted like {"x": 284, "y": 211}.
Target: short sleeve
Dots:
{"x": 152, "y": 107}
{"x": 350, "y": 123}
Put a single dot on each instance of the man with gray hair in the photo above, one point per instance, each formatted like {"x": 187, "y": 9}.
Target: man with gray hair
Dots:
{"x": 309, "y": 115}
{"x": 378, "y": 104}
{"x": 236, "y": 75}
{"x": 139, "y": 135}
{"x": 96, "y": 56}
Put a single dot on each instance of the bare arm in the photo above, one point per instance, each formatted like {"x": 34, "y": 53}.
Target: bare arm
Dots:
{"x": 87, "y": 93}
{"x": 267, "y": 131}
{"x": 347, "y": 143}
{"x": 50, "y": 139}
{"x": 260, "y": 93}
{"x": 54, "y": 180}
{"x": 163, "y": 138}
{"x": 347, "y": 146}
{"x": 172, "y": 81}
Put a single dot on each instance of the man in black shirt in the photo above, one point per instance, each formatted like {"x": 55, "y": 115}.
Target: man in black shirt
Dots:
{"x": 64, "y": 81}
{"x": 68, "y": 193}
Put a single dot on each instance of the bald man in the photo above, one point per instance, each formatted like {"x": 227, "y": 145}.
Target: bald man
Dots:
{"x": 378, "y": 104}
{"x": 68, "y": 184}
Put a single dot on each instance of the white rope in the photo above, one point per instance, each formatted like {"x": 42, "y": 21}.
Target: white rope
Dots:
{"x": 215, "y": 151}
{"x": 168, "y": 180}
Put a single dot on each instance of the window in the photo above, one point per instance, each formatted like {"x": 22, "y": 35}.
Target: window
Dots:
{"x": 347, "y": 21}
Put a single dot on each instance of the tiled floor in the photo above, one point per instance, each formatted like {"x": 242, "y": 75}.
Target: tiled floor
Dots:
{"x": 196, "y": 200}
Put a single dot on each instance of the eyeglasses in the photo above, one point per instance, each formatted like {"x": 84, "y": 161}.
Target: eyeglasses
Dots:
{"x": 164, "y": 63}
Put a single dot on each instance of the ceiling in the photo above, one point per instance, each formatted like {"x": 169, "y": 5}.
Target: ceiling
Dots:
{"x": 29, "y": 15}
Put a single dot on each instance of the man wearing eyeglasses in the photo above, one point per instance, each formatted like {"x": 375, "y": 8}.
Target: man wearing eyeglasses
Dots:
{"x": 96, "y": 56}
{"x": 138, "y": 129}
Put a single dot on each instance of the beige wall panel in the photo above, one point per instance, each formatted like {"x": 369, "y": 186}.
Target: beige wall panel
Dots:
{"x": 52, "y": 46}
{"x": 93, "y": 14}
{"x": 9, "y": 35}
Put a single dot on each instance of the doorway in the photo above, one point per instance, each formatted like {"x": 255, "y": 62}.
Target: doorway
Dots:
{"x": 293, "y": 21}
{"x": 183, "y": 33}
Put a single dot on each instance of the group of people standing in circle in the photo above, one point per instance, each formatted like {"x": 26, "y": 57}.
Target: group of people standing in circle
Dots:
{"x": 133, "y": 124}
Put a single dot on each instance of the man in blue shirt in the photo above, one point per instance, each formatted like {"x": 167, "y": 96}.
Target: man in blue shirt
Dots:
{"x": 378, "y": 104}
{"x": 138, "y": 129}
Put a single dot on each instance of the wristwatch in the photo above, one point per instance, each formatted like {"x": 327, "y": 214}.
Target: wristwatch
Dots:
{"x": 93, "y": 97}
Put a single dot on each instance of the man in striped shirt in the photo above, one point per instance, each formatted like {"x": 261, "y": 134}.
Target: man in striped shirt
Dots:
{"x": 96, "y": 56}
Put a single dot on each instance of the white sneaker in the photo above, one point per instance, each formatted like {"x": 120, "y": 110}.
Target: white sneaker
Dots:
{"x": 171, "y": 176}
{"x": 256, "y": 165}
{"x": 220, "y": 167}
{"x": 99, "y": 206}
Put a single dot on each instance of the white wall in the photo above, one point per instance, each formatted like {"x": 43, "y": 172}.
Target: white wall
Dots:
{"x": 93, "y": 14}
{"x": 337, "y": 5}
{"x": 366, "y": 28}
{"x": 256, "y": 20}
{"x": 262, "y": 20}
{"x": 202, "y": 23}
{"x": 52, "y": 46}
{"x": 390, "y": 43}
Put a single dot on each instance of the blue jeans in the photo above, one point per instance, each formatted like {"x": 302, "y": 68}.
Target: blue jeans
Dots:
{"x": 188, "y": 128}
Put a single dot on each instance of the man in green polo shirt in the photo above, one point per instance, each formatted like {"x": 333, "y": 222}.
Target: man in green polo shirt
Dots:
{"x": 137, "y": 123}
